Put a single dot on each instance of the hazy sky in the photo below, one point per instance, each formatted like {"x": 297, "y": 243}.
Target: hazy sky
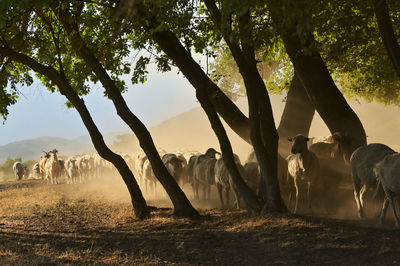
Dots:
{"x": 41, "y": 113}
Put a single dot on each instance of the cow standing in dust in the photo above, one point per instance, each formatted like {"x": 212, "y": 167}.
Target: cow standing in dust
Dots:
{"x": 363, "y": 161}
{"x": 388, "y": 174}
{"x": 202, "y": 167}
{"x": 18, "y": 169}
{"x": 224, "y": 182}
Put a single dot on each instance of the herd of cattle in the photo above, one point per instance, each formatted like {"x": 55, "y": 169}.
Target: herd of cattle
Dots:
{"x": 314, "y": 169}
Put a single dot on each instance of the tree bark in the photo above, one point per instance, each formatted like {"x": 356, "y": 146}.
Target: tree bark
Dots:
{"x": 296, "y": 117}
{"x": 387, "y": 33}
{"x": 231, "y": 114}
{"x": 318, "y": 83}
{"x": 263, "y": 134}
{"x": 138, "y": 202}
{"x": 182, "y": 206}
{"x": 252, "y": 203}
{"x": 204, "y": 88}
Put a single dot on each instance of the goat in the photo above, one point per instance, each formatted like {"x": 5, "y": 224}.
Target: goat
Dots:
{"x": 52, "y": 168}
{"x": 42, "y": 163}
{"x": 303, "y": 165}
{"x": 362, "y": 162}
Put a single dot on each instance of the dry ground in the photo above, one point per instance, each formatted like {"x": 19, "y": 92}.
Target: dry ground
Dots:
{"x": 94, "y": 224}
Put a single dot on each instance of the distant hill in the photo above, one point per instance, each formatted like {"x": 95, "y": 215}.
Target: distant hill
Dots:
{"x": 31, "y": 149}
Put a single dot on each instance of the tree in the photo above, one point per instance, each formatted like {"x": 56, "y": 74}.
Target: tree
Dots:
{"x": 354, "y": 54}
{"x": 155, "y": 28}
{"x": 16, "y": 21}
{"x": 387, "y": 33}
{"x": 7, "y": 167}
{"x": 69, "y": 16}
{"x": 296, "y": 33}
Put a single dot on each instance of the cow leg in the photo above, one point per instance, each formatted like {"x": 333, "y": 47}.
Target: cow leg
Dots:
{"x": 297, "y": 195}
{"x": 227, "y": 191}
{"x": 219, "y": 188}
{"x": 309, "y": 195}
{"x": 356, "y": 186}
{"x": 390, "y": 198}
{"x": 237, "y": 198}
{"x": 195, "y": 190}
{"x": 288, "y": 179}
{"x": 364, "y": 189}
{"x": 382, "y": 213}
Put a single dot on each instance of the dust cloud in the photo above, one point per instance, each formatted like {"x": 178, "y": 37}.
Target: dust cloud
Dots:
{"x": 191, "y": 131}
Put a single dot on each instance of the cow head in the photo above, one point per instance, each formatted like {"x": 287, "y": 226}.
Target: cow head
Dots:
{"x": 299, "y": 144}
{"x": 211, "y": 152}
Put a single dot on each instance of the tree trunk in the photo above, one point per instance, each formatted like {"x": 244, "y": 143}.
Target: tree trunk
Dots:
{"x": 182, "y": 206}
{"x": 139, "y": 204}
{"x": 264, "y": 135}
{"x": 252, "y": 203}
{"x": 296, "y": 117}
{"x": 204, "y": 88}
{"x": 387, "y": 33}
{"x": 231, "y": 114}
{"x": 318, "y": 83}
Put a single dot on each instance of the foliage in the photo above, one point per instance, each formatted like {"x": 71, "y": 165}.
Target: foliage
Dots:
{"x": 350, "y": 42}
{"x": 31, "y": 28}
{"x": 7, "y": 167}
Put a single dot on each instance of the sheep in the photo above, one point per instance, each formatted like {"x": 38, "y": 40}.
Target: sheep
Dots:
{"x": 387, "y": 171}
{"x": 52, "y": 168}
{"x": 362, "y": 162}
{"x": 203, "y": 172}
{"x": 223, "y": 181}
{"x": 303, "y": 165}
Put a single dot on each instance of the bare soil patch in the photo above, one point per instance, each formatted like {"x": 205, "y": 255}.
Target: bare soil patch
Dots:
{"x": 78, "y": 224}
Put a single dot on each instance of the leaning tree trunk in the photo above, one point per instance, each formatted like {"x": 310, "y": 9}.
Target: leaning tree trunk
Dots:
{"x": 174, "y": 49}
{"x": 317, "y": 81}
{"x": 139, "y": 204}
{"x": 253, "y": 205}
{"x": 231, "y": 114}
{"x": 296, "y": 117}
{"x": 182, "y": 206}
{"x": 387, "y": 33}
{"x": 263, "y": 135}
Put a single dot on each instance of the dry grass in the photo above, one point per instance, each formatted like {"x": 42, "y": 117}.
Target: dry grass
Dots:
{"x": 94, "y": 224}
